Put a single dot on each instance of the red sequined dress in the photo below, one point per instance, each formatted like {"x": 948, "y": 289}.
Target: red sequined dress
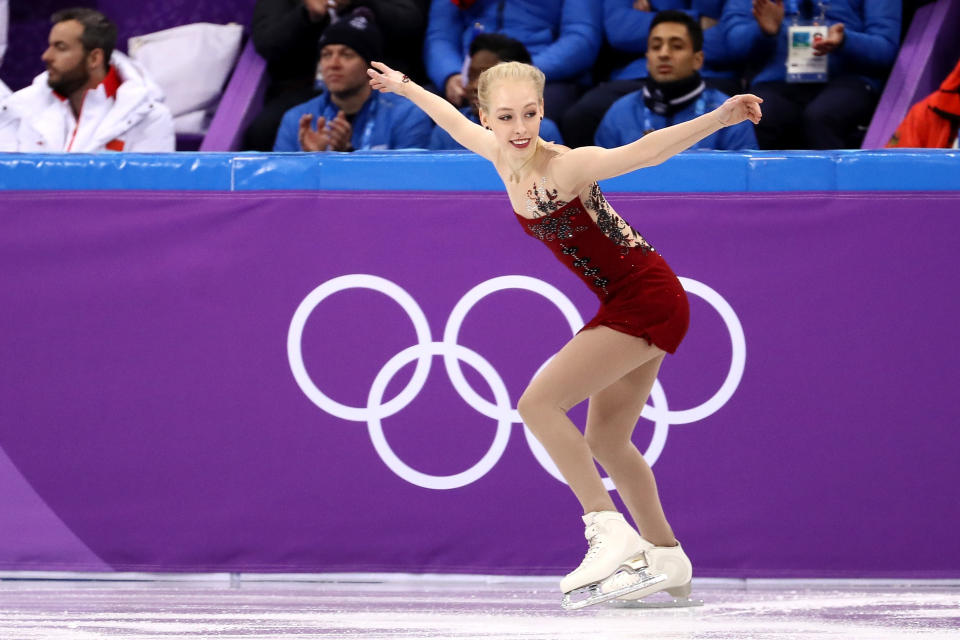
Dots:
{"x": 639, "y": 293}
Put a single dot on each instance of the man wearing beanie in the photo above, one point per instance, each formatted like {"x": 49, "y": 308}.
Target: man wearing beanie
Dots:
{"x": 348, "y": 115}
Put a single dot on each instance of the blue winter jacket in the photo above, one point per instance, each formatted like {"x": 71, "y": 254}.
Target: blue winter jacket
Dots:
{"x": 629, "y": 119}
{"x": 386, "y": 121}
{"x": 440, "y": 139}
{"x": 872, "y": 37}
{"x": 563, "y": 36}
{"x": 628, "y": 29}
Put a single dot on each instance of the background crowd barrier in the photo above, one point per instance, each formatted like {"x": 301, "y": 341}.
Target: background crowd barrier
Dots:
{"x": 311, "y": 362}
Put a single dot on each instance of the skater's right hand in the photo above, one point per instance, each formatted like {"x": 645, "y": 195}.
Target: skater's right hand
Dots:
{"x": 386, "y": 80}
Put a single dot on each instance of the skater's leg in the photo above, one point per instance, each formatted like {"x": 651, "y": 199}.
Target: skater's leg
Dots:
{"x": 612, "y": 416}
{"x": 592, "y": 360}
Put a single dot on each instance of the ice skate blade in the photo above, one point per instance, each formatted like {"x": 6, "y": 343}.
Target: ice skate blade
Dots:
{"x": 675, "y": 603}
{"x": 595, "y": 594}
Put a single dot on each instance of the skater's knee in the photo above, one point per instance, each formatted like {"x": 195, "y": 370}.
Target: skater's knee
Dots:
{"x": 534, "y": 403}
{"x": 604, "y": 448}
{"x": 529, "y": 406}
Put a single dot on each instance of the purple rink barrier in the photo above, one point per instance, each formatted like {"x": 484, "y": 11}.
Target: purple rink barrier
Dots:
{"x": 205, "y": 382}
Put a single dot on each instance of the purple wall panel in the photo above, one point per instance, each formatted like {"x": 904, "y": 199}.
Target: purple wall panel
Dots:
{"x": 149, "y": 402}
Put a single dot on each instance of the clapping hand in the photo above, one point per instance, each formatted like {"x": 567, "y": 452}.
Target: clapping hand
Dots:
{"x": 386, "y": 80}
{"x": 313, "y": 139}
{"x": 454, "y": 89}
{"x": 769, "y": 15}
{"x": 832, "y": 42}
{"x": 340, "y": 132}
{"x": 742, "y": 107}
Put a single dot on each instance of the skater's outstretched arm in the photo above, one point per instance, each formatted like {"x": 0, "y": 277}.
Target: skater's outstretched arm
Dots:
{"x": 585, "y": 165}
{"x": 470, "y": 135}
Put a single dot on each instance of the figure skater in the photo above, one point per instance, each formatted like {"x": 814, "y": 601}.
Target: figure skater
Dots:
{"x": 614, "y": 359}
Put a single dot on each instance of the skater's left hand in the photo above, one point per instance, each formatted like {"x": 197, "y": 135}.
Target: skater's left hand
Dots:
{"x": 386, "y": 80}
{"x": 735, "y": 110}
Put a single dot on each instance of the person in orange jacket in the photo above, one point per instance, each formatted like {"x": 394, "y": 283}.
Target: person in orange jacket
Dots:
{"x": 933, "y": 122}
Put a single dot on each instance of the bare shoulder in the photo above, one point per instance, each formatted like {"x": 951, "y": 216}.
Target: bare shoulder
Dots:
{"x": 574, "y": 167}
{"x": 554, "y": 148}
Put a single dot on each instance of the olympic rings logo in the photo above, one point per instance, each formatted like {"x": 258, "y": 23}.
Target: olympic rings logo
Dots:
{"x": 501, "y": 409}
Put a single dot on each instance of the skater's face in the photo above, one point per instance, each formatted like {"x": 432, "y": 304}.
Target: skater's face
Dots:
{"x": 516, "y": 110}
{"x": 342, "y": 68}
{"x": 670, "y": 54}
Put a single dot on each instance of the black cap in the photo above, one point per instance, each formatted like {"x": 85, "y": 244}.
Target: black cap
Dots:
{"x": 358, "y": 31}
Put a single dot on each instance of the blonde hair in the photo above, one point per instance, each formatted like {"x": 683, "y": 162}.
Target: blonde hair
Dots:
{"x": 507, "y": 71}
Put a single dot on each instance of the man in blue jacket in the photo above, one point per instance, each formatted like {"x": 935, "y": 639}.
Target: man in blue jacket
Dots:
{"x": 674, "y": 91}
{"x": 861, "y": 44}
{"x": 487, "y": 50}
{"x": 563, "y": 36}
{"x": 349, "y": 115}
{"x": 626, "y": 26}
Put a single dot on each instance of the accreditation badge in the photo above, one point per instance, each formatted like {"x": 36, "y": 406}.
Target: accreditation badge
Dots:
{"x": 802, "y": 65}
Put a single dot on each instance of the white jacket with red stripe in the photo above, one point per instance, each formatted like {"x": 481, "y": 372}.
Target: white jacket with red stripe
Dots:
{"x": 37, "y": 120}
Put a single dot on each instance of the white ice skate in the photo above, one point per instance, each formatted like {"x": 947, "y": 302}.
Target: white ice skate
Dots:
{"x": 670, "y": 562}
{"x": 605, "y": 572}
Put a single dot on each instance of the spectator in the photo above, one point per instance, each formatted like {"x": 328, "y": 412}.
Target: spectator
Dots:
{"x": 285, "y": 33}
{"x": 861, "y": 43}
{"x": 121, "y": 106}
{"x": 626, "y": 25}
{"x": 674, "y": 91}
{"x": 487, "y": 50}
{"x": 563, "y": 36}
{"x": 350, "y": 115}
{"x": 933, "y": 122}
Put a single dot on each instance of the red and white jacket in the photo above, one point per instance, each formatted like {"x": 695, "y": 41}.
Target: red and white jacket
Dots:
{"x": 125, "y": 112}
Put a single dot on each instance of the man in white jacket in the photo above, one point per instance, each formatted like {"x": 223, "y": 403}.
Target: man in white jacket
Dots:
{"x": 91, "y": 98}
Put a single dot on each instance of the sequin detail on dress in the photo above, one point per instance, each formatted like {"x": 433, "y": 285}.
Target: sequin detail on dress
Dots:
{"x": 543, "y": 201}
{"x": 613, "y": 226}
{"x": 639, "y": 293}
{"x": 560, "y": 228}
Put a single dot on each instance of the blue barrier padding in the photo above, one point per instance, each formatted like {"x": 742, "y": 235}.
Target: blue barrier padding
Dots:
{"x": 697, "y": 172}
{"x": 121, "y": 171}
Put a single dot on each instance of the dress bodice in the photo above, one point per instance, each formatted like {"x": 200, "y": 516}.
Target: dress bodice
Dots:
{"x": 594, "y": 242}
{"x": 639, "y": 293}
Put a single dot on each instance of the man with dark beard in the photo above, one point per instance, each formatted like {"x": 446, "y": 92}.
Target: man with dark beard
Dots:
{"x": 349, "y": 115}
{"x": 90, "y": 98}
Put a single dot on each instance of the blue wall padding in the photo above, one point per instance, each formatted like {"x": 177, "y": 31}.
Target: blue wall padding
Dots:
{"x": 705, "y": 172}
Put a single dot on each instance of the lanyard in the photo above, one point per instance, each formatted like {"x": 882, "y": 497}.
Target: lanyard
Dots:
{"x": 807, "y": 8}
{"x": 474, "y": 31}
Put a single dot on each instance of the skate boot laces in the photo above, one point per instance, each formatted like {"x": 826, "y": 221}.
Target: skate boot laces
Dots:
{"x": 595, "y": 541}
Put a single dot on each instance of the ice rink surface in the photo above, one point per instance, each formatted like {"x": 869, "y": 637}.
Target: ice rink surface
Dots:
{"x": 418, "y": 607}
